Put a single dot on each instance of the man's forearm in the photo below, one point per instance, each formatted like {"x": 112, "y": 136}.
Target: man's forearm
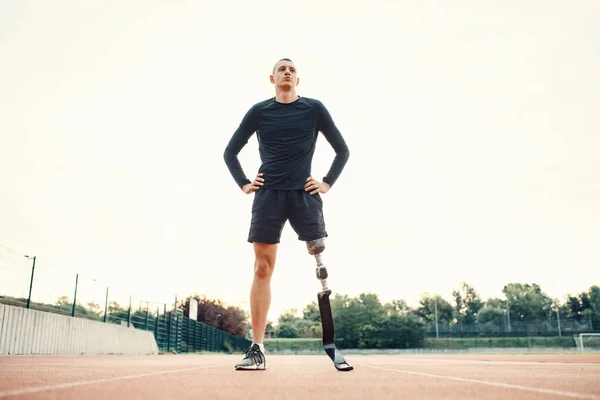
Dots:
{"x": 342, "y": 155}
{"x": 235, "y": 168}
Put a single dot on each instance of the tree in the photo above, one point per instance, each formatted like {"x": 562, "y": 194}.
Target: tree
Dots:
{"x": 63, "y": 304}
{"x": 575, "y": 307}
{"x": 467, "y": 303}
{"x": 400, "y": 331}
{"x": 269, "y": 329}
{"x": 491, "y": 314}
{"x": 63, "y": 301}
{"x": 397, "y": 307}
{"x": 594, "y": 296}
{"x": 311, "y": 312}
{"x": 495, "y": 302}
{"x": 116, "y": 312}
{"x": 351, "y": 319}
{"x": 94, "y": 308}
{"x": 288, "y": 324}
{"x": 215, "y": 313}
{"x": 527, "y": 302}
{"x": 363, "y": 322}
{"x": 427, "y": 306}
{"x": 594, "y": 310}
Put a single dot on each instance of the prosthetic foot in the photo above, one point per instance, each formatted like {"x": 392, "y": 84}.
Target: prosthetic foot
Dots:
{"x": 316, "y": 247}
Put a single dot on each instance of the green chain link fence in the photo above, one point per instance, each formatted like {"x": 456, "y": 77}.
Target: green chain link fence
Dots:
{"x": 178, "y": 334}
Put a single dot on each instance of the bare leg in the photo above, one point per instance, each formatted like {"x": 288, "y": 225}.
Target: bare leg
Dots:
{"x": 260, "y": 294}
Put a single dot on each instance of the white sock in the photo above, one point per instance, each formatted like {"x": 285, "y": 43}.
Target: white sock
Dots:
{"x": 261, "y": 347}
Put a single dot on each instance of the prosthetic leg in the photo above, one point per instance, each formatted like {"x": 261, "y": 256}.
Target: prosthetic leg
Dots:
{"x": 316, "y": 247}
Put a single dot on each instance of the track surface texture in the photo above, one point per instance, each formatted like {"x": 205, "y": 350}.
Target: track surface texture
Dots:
{"x": 448, "y": 376}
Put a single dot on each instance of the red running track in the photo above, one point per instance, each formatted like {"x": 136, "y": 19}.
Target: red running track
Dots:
{"x": 562, "y": 376}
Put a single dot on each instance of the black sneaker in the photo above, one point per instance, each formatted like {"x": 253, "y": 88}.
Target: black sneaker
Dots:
{"x": 254, "y": 359}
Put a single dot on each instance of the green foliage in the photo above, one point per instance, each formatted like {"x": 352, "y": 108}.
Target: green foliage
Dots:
{"x": 292, "y": 326}
{"x": 527, "y": 302}
{"x": 491, "y": 314}
{"x": 427, "y": 307}
{"x": 116, "y": 312}
{"x": 311, "y": 312}
{"x": 585, "y": 307}
{"x": 575, "y": 308}
{"x": 294, "y": 344}
{"x": 594, "y": 295}
{"x": 499, "y": 342}
{"x": 467, "y": 303}
{"x": 496, "y": 303}
{"x": 364, "y": 322}
{"x": 215, "y": 313}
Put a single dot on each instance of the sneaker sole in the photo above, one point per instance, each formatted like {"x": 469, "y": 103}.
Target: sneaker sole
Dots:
{"x": 252, "y": 368}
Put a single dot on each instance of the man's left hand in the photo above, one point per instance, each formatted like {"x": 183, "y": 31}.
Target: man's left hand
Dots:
{"x": 315, "y": 186}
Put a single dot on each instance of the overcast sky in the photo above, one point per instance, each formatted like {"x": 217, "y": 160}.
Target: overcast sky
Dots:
{"x": 473, "y": 130}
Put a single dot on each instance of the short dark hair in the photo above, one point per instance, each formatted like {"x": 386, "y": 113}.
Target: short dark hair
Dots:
{"x": 283, "y": 59}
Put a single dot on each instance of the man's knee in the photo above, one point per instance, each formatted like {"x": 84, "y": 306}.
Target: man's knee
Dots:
{"x": 263, "y": 267}
{"x": 265, "y": 260}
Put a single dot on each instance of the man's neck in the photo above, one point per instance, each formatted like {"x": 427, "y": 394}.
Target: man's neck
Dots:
{"x": 286, "y": 97}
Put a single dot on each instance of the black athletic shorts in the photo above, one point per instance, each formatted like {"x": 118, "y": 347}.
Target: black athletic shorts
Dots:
{"x": 272, "y": 208}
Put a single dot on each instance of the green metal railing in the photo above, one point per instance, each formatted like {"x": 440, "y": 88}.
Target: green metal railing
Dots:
{"x": 173, "y": 332}
{"x": 178, "y": 334}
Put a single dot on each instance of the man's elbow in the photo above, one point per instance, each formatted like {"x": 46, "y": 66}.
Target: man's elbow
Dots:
{"x": 228, "y": 154}
{"x": 344, "y": 152}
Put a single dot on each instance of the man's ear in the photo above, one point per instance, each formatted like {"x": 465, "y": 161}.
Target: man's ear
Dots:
{"x": 297, "y": 81}
{"x": 272, "y": 79}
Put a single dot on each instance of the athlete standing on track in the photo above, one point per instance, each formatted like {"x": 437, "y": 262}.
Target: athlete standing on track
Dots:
{"x": 287, "y": 128}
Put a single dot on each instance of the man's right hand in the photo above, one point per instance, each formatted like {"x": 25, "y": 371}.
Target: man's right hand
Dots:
{"x": 254, "y": 186}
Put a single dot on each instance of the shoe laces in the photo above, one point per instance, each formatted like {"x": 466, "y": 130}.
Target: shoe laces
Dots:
{"x": 254, "y": 354}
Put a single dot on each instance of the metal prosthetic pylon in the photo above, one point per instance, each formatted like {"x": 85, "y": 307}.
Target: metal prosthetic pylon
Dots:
{"x": 316, "y": 247}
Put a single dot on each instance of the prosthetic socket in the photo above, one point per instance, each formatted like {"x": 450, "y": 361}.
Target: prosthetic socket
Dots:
{"x": 315, "y": 248}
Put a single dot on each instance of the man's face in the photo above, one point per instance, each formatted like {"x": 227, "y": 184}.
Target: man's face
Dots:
{"x": 284, "y": 75}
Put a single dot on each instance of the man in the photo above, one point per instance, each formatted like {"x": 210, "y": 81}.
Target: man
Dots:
{"x": 287, "y": 128}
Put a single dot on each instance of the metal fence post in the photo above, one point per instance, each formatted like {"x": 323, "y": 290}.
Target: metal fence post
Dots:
{"x": 105, "y": 304}
{"x": 31, "y": 282}
{"x": 156, "y": 326}
{"x": 195, "y": 335}
{"x": 176, "y": 331}
{"x": 187, "y": 341}
{"x": 75, "y": 296}
{"x": 129, "y": 313}
{"x": 169, "y": 331}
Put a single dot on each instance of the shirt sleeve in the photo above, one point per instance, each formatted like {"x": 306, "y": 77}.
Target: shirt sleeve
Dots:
{"x": 326, "y": 125}
{"x": 240, "y": 138}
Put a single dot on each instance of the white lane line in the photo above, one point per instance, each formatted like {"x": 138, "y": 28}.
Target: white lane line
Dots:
{"x": 17, "y": 392}
{"x": 4, "y": 366}
{"x": 489, "y": 383}
{"x": 493, "y": 362}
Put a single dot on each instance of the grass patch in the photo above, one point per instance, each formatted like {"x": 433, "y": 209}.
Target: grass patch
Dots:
{"x": 442, "y": 343}
{"x": 294, "y": 344}
{"x": 498, "y": 342}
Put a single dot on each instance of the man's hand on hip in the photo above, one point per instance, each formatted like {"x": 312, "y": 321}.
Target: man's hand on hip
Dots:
{"x": 254, "y": 186}
{"x": 315, "y": 186}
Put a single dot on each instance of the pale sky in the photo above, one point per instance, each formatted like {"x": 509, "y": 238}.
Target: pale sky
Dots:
{"x": 473, "y": 131}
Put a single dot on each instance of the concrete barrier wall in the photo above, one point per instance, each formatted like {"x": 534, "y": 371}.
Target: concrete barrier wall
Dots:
{"x": 24, "y": 331}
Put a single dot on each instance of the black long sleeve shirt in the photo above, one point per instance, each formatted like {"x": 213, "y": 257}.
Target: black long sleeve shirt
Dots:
{"x": 287, "y": 135}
